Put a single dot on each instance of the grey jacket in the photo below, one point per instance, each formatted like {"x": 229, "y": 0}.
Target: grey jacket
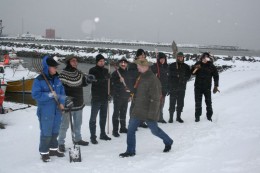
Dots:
{"x": 147, "y": 98}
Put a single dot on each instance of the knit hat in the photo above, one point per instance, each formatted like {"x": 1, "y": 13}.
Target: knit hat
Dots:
{"x": 51, "y": 62}
{"x": 142, "y": 62}
{"x": 140, "y": 52}
{"x": 123, "y": 59}
{"x": 205, "y": 54}
{"x": 161, "y": 55}
{"x": 99, "y": 57}
{"x": 69, "y": 57}
{"x": 180, "y": 54}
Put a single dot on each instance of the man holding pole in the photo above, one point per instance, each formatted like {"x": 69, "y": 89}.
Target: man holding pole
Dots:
{"x": 121, "y": 96}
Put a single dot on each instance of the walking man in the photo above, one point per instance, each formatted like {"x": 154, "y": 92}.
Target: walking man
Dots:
{"x": 146, "y": 107}
{"x": 134, "y": 77}
{"x": 179, "y": 74}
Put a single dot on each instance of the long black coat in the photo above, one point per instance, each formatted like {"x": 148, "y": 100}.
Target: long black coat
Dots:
{"x": 205, "y": 74}
{"x": 161, "y": 71}
{"x": 99, "y": 88}
{"x": 178, "y": 77}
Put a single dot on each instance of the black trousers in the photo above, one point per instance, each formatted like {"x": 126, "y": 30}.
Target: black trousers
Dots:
{"x": 119, "y": 115}
{"x": 198, "y": 101}
{"x": 177, "y": 97}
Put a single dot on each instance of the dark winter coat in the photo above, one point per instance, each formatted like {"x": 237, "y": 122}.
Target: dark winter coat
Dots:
{"x": 47, "y": 108}
{"x": 178, "y": 77}
{"x": 205, "y": 74}
{"x": 147, "y": 98}
{"x": 161, "y": 71}
{"x": 73, "y": 81}
{"x": 133, "y": 75}
{"x": 99, "y": 88}
{"x": 117, "y": 87}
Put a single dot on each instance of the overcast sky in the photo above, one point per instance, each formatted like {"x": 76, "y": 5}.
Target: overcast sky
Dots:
{"x": 210, "y": 22}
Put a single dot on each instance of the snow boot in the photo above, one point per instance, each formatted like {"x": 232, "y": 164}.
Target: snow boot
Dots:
{"x": 115, "y": 134}
{"x": 46, "y": 157}
{"x": 94, "y": 141}
{"x": 171, "y": 118}
{"x": 123, "y": 130}
{"x": 179, "y": 118}
{"x": 81, "y": 142}
{"x": 167, "y": 148}
{"x": 197, "y": 119}
{"x": 126, "y": 154}
{"x": 105, "y": 137}
{"x": 56, "y": 152}
{"x": 62, "y": 148}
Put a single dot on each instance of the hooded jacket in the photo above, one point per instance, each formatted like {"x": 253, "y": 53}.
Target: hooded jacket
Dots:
{"x": 161, "y": 71}
{"x": 48, "y": 109}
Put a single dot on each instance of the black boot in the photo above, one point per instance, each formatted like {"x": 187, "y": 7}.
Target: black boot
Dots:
{"x": 46, "y": 157}
{"x": 197, "y": 119}
{"x": 115, "y": 134}
{"x": 179, "y": 118}
{"x": 171, "y": 117}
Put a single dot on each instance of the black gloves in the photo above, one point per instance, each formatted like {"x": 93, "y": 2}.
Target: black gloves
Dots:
{"x": 215, "y": 90}
{"x": 90, "y": 78}
{"x": 107, "y": 76}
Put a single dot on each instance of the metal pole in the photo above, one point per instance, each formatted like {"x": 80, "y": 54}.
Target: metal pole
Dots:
{"x": 23, "y": 89}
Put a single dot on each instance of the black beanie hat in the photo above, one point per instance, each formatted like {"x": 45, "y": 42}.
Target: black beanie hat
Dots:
{"x": 161, "y": 55}
{"x": 139, "y": 52}
{"x": 99, "y": 57}
{"x": 51, "y": 62}
{"x": 205, "y": 54}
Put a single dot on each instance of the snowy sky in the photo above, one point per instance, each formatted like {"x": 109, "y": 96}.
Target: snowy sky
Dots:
{"x": 222, "y": 22}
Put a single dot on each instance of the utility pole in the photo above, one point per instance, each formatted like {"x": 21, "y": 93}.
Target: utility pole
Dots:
{"x": 1, "y": 28}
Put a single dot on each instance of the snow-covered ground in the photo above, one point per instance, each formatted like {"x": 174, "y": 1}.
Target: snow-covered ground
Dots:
{"x": 228, "y": 144}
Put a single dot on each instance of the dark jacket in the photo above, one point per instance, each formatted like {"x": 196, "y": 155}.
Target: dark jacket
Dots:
{"x": 161, "y": 71}
{"x": 133, "y": 75}
{"x": 147, "y": 98}
{"x": 204, "y": 75}
{"x": 117, "y": 87}
{"x": 73, "y": 81}
{"x": 99, "y": 88}
{"x": 178, "y": 77}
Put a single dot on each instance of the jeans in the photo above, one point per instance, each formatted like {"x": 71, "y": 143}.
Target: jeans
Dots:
{"x": 153, "y": 126}
{"x": 101, "y": 107}
{"x": 65, "y": 122}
